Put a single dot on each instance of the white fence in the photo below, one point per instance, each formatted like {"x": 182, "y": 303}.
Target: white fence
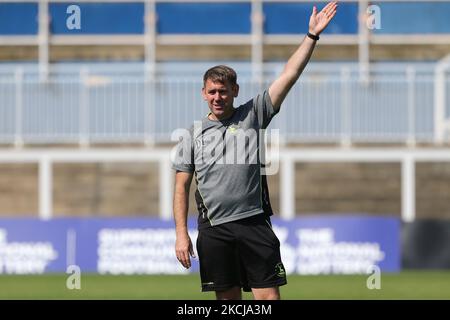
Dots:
{"x": 330, "y": 103}
{"x": 408, "y": 157}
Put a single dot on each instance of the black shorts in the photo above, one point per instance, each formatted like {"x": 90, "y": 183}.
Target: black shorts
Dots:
{"x": 243, "y": 253}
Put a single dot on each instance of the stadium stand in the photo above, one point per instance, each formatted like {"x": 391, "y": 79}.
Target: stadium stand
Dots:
{"x": 260, "y": 30}
{"x": 56, "y": 89}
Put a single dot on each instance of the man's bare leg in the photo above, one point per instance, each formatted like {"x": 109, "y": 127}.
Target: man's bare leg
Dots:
{"x": 266, "y": 293}
{"x": 230, "y": 294}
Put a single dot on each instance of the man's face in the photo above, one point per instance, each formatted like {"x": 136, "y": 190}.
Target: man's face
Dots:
{"x": 220, "y": 97}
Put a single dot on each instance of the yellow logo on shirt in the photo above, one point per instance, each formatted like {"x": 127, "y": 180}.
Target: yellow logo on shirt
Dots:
{"x": 233, "y": 128}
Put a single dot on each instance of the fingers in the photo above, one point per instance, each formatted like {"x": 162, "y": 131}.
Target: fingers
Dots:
{"x": 328, "y": 5}
{"x": 332, "y": 15}
{"x": 183, "y": 257}
{"x": 329, "y": 8}
{"x": 183, "y": 248}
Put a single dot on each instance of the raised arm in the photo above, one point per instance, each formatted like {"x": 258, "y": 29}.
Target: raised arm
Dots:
{"x": 183, "y": 244}
{"x": 297, "y": 62}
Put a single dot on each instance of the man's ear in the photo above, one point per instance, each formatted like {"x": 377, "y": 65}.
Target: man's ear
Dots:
{"x": 204, "y": 94}
{"x": 235, "y": 90}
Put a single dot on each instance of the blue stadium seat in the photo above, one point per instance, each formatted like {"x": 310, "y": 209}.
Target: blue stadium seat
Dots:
{"x": 18, "y": 18}
{"x": 286, "y": 18}
{"x": 204, "y": 18}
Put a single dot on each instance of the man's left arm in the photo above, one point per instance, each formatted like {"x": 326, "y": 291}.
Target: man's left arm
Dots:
{"x": 298, "y": 61}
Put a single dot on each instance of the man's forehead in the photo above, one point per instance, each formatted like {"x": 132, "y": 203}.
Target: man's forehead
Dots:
{"x": 216, "y": 84}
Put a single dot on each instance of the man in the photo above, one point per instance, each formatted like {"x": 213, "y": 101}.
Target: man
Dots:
{"x": 236, "y": 245}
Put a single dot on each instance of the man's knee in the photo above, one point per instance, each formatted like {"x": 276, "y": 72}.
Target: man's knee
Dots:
{"x": 266, "y": 293}
{"x": 229, "y": 294}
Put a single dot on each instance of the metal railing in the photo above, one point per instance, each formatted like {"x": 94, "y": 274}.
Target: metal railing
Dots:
{"x": 330, "y": 103}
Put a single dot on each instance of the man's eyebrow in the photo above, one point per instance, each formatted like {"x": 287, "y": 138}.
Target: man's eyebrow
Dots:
{"x": 217, "y": 89}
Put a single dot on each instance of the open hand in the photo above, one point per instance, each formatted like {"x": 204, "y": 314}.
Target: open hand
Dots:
{"x": 184, "y": 249}
{"x": 319, "y": 21}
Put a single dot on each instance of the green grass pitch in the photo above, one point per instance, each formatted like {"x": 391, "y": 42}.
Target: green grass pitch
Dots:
{"x": 404, "y": 285}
